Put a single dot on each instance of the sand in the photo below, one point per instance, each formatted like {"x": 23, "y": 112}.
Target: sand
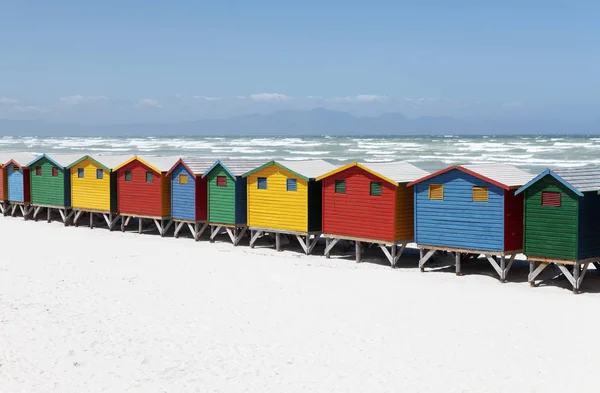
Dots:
{"x": 96, "y": 311}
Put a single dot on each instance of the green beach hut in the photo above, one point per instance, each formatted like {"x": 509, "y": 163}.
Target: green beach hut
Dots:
{"x": 227, "y": 197}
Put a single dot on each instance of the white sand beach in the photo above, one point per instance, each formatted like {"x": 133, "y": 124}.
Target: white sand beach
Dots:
{"x": 96, "y": 311}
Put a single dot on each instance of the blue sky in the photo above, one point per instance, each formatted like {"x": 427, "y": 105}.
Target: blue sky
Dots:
{"x": 120, "y": 61}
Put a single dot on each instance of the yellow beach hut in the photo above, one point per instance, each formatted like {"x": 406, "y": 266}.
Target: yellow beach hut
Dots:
{"x": 94, "y": 188}
{"x": 284, "y": 198}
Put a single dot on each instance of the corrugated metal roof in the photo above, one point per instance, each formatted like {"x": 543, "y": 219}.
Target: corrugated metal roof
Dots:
{"x": 240, "y": 166}
{"x": 308, "y": 168}
{"x": 508, "y": 175}
{"x": 162, "y": 163}
{"x": 22, "y": 158}
{"x": 110, "y": 161}
{"x": 583, "y": 178}
{"x": 63, "y": 160}
{"x": 198, "y": 165}
{"x": 398, "y": 171}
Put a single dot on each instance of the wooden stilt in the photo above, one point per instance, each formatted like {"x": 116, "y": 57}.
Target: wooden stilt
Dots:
{"x": 91, "y": 220}
{"x": 214, "y": 232}
{"x": 394, "y": 251}
{"x": 576, "y": 271}
{"x": 357, "y": 249}
{"x": 302, "y": 243}
{"x": 329, "y": 244}
{"x": 457, "y": 262}
{"x": 531, "y": 277}
{"x": 240, "y": 235}
{"x": 178, "y": 227}
{"x": 140, "y": 225}
{"x": 278, "y": 241}
{"x": 253, "y": 237}
{"x": 313, "y": 242}
{"x": 231, "y": 234}
{"x": 425, "y": 258}
{"x": 48, "y": 211}
{"x": 200, "y": 231}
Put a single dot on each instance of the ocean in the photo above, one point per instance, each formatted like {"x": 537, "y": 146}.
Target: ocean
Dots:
{"x": 430, "y": 153}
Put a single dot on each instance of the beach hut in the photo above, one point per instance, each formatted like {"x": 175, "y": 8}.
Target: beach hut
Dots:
{"x": 471, "y": 210}
{"x": 16, "y": 190}
{"x": 227, "y": 197}
{"x": 188, "y": 195}
{"x": 94, "y": 188}
{"x": 562, "y": 212}
{"x": 50, "y": 184}
{"x": 144, "y": 191}
{"x": 370, "y": 203}
{"x": 285, "y": 198}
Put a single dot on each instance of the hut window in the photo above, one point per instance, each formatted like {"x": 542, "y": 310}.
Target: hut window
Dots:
{"x": 261, "y": 183}
{"x": 480, "y": 194}
{"x": 375, "y": 189}
{"x": 221, "y": 181}
{"x": 550, "y": 198}
{"x": 149, "y": 177}
{"x": 99, "y": 174}
{"x": 183, "y": 179}
{"x": 38, "y": 171}
{"x": 80, "y": 173}
{"x": 436, "y": 192}
{"x": 340, "y": 186}
{"x": 16, "y": 168}
{"x": 128, "y": 176}
{"x": 291, "y": 185}
{"x": 54, "y": 172}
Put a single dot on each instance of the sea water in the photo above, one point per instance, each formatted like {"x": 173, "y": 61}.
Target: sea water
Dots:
{"x": 430, "y": 153}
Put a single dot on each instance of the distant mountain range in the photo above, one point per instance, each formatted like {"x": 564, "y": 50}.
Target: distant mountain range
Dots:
{"x": 303, "y": 123}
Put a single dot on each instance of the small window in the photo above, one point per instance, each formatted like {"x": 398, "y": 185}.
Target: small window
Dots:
{"x": 99, "y": 174}
{"x": 340, "y": 186}
{"x": 221, "y": 181}
{"x": 54, "y": 172}
{"x": 480, "y": 194}
{"x": 128, "y": 176}
{"x": 261, "y": 183}
{"x": 38, "y": 171}
{"x": 80, "y": 173}
{"x": 436, "y": 192}
{"x": 183, "y": 179}
{"x": 149, "y": 177}
{"x": 550, "y": 198}
{"x": 16, "y": 168}
{"x": 291, "y": 185}
{"x": 375, "y": 189}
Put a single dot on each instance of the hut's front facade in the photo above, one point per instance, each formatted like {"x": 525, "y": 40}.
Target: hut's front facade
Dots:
{"x": 144, "y": 191}
{"x": 16, "y": 183}
{"x": 228, "y": 196}
{"x": 370, "y": 203}
{"x": 94, "y": 188}
{"x": 562, "y": 212}
{"x": 471, "y": 210}
{"x": 189, "y": 195}
{"x": 285, "y": 198}
{"x": 51, "y": 186}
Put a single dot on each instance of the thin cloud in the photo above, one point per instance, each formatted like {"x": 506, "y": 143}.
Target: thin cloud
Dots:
{"x": 362, "y": 98}
{"x": 148, "y": 102}
{"x": 512, "y": 104}
{"x": 30, "y": 109}
{"x": 8, "y": 101}
{"x": 205, "y": 98}
{"x": 269, "y": 97}
{"x": 80, "y": 99}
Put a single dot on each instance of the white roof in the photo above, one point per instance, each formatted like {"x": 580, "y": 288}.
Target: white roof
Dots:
{"x": 109, "y": 161}
{"x": 22, "y": 158}
{"x": 162, "y": 163}
{"x": 63, "y": 160}
{"x": 308, "y": 168}
{"x": 508, "y": 175}
{"x": 398, "y": 171}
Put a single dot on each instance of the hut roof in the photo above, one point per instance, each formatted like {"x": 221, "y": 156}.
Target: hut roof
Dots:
{"x": 392, "y": 172}
{"x": 60, "y": 160}
{"x": 157, "y": 163}
{"x": 305, "y": 169}
{"x": 236, "y": 167}
{"x": 106, "y": 162}
{"x": 502, "y": 175}
{"x": 195, "y": 165}
{"x": 578, "y": 180}
{"x": 19, "y": 158}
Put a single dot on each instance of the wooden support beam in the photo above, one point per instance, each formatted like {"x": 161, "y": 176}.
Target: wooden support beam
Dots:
{"x": 399, "y": 253}
{"x": 231, "y": 234}
{"x": 91, "y": 220}
{"x": 389, "y": 256}
{"x": 200, "y": 231}
{"x": 576, "y": 271}
{"x": 568, "y": 274}
{"x": 106, "y": 219}
{"x": 214, "y": 231}
{"x": 539, "y": 269}
{"x": 302, "y": 243}
{"x": 240, "y": 235}
{"x": 140, "y": 221}
{"x": 358, "y": 251}
{"x": 329, "y": 244}
{"x": 457, "y": 262}
{"x": 192, "y": 228}
{"x": 36, "y": 211}
{"x": 253, "y": 237}
{"x": 48, "y": 214}
{"x": 313, "y": 242}
{"x": 277, "y": 241}
{"x": 394, "y": 252}
{"x": 498, "y": 269}
{"x": 63, "y": 214}
{"x": 178, "y": 227}
{"x": 425, "y": 258}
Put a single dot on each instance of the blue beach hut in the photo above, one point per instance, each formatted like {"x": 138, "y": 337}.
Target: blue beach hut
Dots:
{"x": 471, "y": 210}
{"x": 15, "y": 179}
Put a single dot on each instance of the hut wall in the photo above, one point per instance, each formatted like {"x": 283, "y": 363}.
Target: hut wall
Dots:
{"x": 457, "y": 221}
{"x": 45, "y": 188}
{"x": 183, "y": 196}
{"x": 241, "y": 201}
{"x": 550, "y": 231}
{"x": 3, "y": 184}
{"x": 513, "y": 221}
{"x": 16, "y": 183}
{"x": 165, "y": 186}
{"x": 201, "y": 199}
{"x": 405, "y": 213}
{"x": 138, "y": 197}
{"x": 275, "y": 207}
{"x": 589, "y": 230}
{"x": 89, "y": 192}
{"x": 221, "y": 199}
{"x": 356, "y": 213}
{"x": 315, "y": 206}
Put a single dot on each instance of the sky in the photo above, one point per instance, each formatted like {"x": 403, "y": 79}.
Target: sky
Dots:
{"x": 134, "y": 61}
